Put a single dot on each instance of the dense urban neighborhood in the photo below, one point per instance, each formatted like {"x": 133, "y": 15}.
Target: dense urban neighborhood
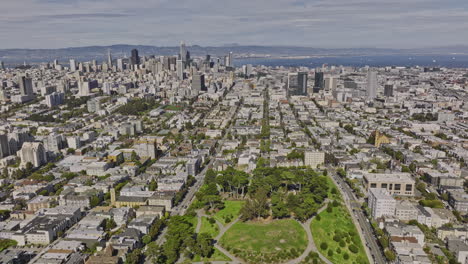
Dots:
{"x": 182, "y": 159}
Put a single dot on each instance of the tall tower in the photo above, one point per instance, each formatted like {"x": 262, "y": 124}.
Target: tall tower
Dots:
{"x": 229, "y": 62}
{"x": 297, "y": 83}
{"x": 72, "y": 65}
{"x": 109, "y": 58}
{"x": 180, "y": 69}
{"x": 135, "y": 59}
{"x": 25, "y": 85}
{"x": 371, "y": 85}
{"x": 198, "y": 82}
{"x": 183, "y": 52}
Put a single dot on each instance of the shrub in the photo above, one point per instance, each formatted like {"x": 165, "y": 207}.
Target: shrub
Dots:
{"x": 324, "y": 246}
{"x": 353, "y": 248}
{"x": 342, "y": 243}
{"x": 338, "y": 250}
{"x": 346, "y": 256}
{"x": 318, "y": 217}
{"x": 330, "y": 252}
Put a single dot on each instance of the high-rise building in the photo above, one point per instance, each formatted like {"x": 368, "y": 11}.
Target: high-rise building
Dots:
{"x": 388, "y": 90}
{"x": 371, "y": 85}
{"x": 120, "y": 64}
{"x": 247, "y": 70}
{"x": 330, "y": 83}
{"x": 25, "y": 85}
{"x": 2, "y": 65}
{"x": 4, "y": 146}
{"x": 54, "y": 142}
{"x": 180, "y": 69}
{"x": 183, "y": 52}
{"x": 94, "y": 105}
{"x": 198, "y": 82}
{"x": 229, "y": 62}
{"x": 297, "y": 83}
{"x": 135, "y": 59}
{"x": 54, "y": 99}
{"x": 84, "y": 88}
{"x": 72, "y": 65}
{"x": 33, "y": 152}
{"x": 319, "y": 82}
{"x": 381, "y": 203}
{"x": 109, "y": 59}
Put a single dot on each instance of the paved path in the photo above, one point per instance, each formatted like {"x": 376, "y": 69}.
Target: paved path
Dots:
{"x": 311, "y": 246}
{"x": 222, "y": 229}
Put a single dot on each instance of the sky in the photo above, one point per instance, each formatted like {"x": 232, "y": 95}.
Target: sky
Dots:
{"x": 308, "y": 23}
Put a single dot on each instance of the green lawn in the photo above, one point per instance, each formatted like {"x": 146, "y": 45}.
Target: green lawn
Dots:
{"x": 193, "y": 220}
{"x": 231, "y": 210}
{"x": 337, "y": 230}
{"x": 217, "y": 256}
{"x": 207, "y": 227}
{"x": 259, "y": 242}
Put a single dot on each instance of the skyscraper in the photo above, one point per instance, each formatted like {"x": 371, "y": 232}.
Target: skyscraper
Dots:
{"x": 2, "y": 65}
{"x": 319, "y": 82}
{"x": 371, "y": 85}
{"x": 388, "y": 90}
{"x": 25, "y": 86}
{"x": 229, "y": 62}
{"x": 297, "y": 83}
{"x": 330, "y": 83}
{"x": 72, "y": 65}
{"x": 120, "y": 64}
{"x": 4, "y": 146}
{"x": 135, "y": 59}
{"x": 109, "y": 59}
{"x": 183, "y": 52}
{"x": 180, "y": 69}
{"x": 198, "y": 82}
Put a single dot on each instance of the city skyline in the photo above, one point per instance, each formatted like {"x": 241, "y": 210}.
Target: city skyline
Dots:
{"x": 357, "y": 23}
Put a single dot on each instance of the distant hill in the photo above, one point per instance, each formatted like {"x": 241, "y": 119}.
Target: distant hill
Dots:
{"x": 13, "y": 56}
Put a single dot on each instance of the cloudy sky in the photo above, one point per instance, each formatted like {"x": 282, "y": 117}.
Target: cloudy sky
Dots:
{"x": 312, "y": 23}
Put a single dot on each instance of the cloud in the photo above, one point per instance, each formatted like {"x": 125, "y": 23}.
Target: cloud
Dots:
{"x": 319, "y": 23}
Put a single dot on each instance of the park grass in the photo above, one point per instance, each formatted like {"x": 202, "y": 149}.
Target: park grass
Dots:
{"x": 193, "y": 220}
{"x": 231, "y": 209}
{"x": 260, "y": 242}
{"x": 207, "y": 227}
{"x": 331, "y": 186}
{"x": 216, "y": 256}
{"x": 325, "y": 229}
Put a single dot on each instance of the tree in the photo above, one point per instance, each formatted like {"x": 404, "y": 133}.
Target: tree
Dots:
{"x": 134, "y": 157}
{"x": 133, "y": 257}
{"x": 94, "y": 201}
{"x": 256, "y": 207}
{"x": 390, "y": 255}
{"x": 110, "y": 224}
{"x": 153, "y": 186}
{"x": 155, "y": 252}
{"x": 205, "y": 244}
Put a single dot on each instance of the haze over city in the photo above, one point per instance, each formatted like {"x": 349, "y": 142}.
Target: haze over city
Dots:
{"x": 316, "y": 23}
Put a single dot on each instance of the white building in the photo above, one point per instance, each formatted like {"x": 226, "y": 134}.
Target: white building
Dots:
{"x": 33, "y": 152}
{"x": 381, "y": 203}
{"x": 314, "y": 158}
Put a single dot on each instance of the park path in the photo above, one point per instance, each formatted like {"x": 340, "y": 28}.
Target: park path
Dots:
{"x": 222, "y": 229}
{"x": 311, "y": 245}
